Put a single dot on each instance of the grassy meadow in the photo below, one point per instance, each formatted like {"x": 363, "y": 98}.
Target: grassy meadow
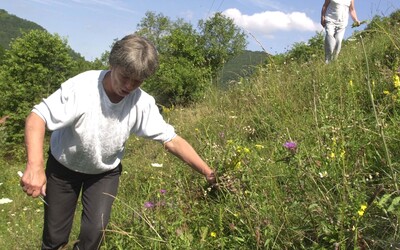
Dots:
{"x": 307, "y": 156}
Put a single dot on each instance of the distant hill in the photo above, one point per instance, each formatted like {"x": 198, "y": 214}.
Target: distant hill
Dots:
{"x": 242, "y": 65}
{"x": 12, "y": 26}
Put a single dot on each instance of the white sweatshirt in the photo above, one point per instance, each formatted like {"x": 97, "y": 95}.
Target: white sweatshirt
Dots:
{"x": 89, "y": 131}
{"x": 338, "y": 12}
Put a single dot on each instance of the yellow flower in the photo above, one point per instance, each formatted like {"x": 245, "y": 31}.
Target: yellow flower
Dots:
{"x": 259, "y": 146}
{"x": 351, "y": 83}
{"x": 166, "y": 110}
{"x": 332, "y": 155}
{"x": 213, "y": 234}
{"x": 396, "y": 81}
{"x": 386, "y": 92}
{"x": 362, "y": 210}
{"x": 342, "y": 154}
{"x": 238, "y": 165}
{"x": 246, "y": 150}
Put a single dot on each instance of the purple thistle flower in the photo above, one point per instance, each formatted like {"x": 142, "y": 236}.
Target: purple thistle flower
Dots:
{"x": 290, "y": 145}
{"x": 148, "y": 204}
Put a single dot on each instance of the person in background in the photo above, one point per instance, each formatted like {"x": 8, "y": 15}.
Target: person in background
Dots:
{"x": 334, "y": 18}
{"x": 91, "y": 117}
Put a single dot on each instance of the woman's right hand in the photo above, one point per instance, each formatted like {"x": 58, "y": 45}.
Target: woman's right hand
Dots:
{"x": 33, "y": 182}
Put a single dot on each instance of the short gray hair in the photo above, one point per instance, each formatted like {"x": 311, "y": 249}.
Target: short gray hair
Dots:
{"x": 135, "y": 56}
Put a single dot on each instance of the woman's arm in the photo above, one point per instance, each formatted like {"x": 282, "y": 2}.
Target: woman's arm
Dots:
{"x": 323, "y": 12}
{"x": 353, "y": 13}
{"x": 183, "y": 150}
{"x": 33, "y": 181}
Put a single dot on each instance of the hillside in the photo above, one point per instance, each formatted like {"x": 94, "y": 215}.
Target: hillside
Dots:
{"x": 12, "y": 26}
{"x": 242, "y": 65}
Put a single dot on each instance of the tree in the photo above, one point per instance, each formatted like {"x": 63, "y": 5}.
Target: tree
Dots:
{"x": 182, "y": 77}
{"x": 221, "y": 40}
{"x": 34, "y": 67}
{"x": 303, "y": 52}
{"x": 155, "y": 27}
{"x": 2, "y": 51}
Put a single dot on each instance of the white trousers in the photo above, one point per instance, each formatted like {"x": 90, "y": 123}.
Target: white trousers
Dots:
{"x": 333, "y": 40}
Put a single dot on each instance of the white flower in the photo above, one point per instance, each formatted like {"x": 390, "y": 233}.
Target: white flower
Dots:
{"x": 323, "y": 174}
{"x": 5, "y": 200}
{"x": 156, "y": 165}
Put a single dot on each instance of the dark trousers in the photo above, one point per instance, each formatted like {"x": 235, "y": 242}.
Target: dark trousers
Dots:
{"x": 62, "y": 192}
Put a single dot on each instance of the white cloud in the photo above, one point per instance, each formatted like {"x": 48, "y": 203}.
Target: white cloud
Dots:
{"x": 269, "y": 22}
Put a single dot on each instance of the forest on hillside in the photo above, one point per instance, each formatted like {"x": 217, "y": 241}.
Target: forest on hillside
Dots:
{"x": 12, "y": 27}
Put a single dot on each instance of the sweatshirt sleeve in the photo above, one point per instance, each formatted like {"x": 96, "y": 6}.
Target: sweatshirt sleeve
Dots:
{"x": 59, "y": 109}
{"x": 152, "y": 125}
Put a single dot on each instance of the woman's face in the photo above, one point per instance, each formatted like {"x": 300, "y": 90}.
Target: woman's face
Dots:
{"x": 122, "y": 84}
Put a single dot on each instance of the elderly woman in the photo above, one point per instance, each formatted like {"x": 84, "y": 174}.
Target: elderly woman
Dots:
{"x": 334, "y": 18}
{"x": 91, "y": 116}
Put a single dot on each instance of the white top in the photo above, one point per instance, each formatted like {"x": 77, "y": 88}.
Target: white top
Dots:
{"x": 89, "y": 131}
{"x": 338, "y": 12}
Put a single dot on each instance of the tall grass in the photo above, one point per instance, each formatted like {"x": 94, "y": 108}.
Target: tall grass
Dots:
{"x": 338, "y": 189}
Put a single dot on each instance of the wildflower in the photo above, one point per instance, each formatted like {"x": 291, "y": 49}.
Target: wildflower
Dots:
{"x": 323, "y": 174}
{"x": 148, "y": 204}
{"x": 342, "y": 154}
{"x": 197, "y": 130}
{"x": 213, "y": 234}
{"x": 362, "y": 210}
{"x": 246, "y": 150}
{"x": 156, "y": 165}
{"x": 396, "y": 81}
{"x": 163, "y": 191}
{"x": 291, "y": 146}
{"x": 351, "y": 83}
{"x": 165, "y": 109}
{"x": 332, "y": 155}
{"x": 386, "y": 92}
{"x": 259, "y": 146}
{"x": 238, "y": 165}
{"x": 5, "y": 200}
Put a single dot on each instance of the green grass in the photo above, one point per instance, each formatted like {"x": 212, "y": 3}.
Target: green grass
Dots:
{"x": 344, "y": 118}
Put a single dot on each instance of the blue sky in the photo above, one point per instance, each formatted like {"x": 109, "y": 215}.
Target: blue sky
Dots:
{"x": 90, "y": 26}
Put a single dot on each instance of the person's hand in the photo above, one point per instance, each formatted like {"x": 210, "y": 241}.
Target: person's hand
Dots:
{"x": 211, "y": 179}
{"x": 357, "y": 23}
{"x": 323, "y": 22}
{"x": 33, "y": 182}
